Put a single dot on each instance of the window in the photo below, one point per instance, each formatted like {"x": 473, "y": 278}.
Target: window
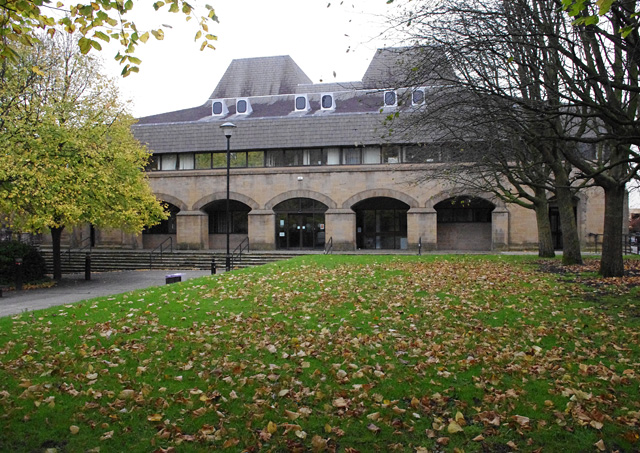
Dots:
{"x": 312, "y": 156}
{"x": 390, "y": 99}
{"x": 327, "y": 102}
{"x": 167, "y": 226}
{"x": 274, "y": 158}
{"x": 425, "y": 153}
{"x": 417, "y": 97}
{"x": 153, "y": 163}
{"x": 243, "y": 107}
{"x": 185, "y": 161}
{"x": 169, "y": 162}
{"x": 255, "y": 159}
{"x": 351, "y": 156}
{"x": 219, "y": 108}
{"x": 391, "y": 154}
{"x": 238, "y": 217}
{"x": 371, "y": 155}
{"x": 302, "y": 103}
{"x": 293, "y": 157}
{"x": 203, "y": 161}
{"x": 332, "y": 156}
{"x": 464, "y": 210}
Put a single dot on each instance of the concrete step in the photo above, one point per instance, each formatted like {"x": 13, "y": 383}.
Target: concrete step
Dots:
{"x": 103, "y": 260}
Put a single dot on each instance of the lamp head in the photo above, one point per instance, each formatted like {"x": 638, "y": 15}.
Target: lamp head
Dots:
{"x": 228, "y": 129}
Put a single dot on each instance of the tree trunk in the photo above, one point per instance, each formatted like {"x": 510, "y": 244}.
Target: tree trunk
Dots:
{"x": 56, "y": 234}
{"x": 611, "y": 263}
{"x": 545, "y": 239}
{"x": 571, "y": 253}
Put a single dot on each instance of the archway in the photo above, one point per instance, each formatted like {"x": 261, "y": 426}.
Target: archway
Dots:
{"x": 237, "y": 222}
{"x": 156, "y": 234}
{"x": 381, "y": 223}
{"x": 464, "y": 223}
{"x": 300, "y": 224}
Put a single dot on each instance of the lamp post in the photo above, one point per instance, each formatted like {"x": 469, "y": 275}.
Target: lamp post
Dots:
{"x": 227, "y": 129}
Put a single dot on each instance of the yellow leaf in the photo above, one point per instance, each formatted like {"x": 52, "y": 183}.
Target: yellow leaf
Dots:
{"x": 74, "y": 429}
{"x": 327, "y": 428}
{"x": 291, "y": 415}
{"x": 155, "y": 418}
{"x": 454, "y": 428}
{"x": 272, "y": 427}
{"x": 600, "y": 445}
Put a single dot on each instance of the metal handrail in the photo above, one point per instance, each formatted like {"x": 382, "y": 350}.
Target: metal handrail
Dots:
{"x": 238, "y": 251}
{"x": 328, "y": 246}
{"x": 629, "y": 243}
{"x": 80, "y": 248}
{"x": 160, "y": 248}
{"x": 420, "y": 246}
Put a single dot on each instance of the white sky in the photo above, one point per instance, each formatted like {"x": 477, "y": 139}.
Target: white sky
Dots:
{"x": 175, "y": 74}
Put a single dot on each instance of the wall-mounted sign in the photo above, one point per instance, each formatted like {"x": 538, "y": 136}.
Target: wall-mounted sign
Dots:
{"x": 282, "y": 234}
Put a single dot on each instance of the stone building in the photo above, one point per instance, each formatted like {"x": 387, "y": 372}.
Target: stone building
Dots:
{"x": 312, "y": 163}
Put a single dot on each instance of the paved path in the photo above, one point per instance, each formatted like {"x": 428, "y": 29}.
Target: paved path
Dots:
{"x": 74, "y": 288}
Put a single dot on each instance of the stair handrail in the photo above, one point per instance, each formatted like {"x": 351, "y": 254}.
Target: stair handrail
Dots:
{"x": 80, "y": 248}
{"x": 238, "y": 251}
{"x": 328, "y": 246}
{"x": 160, "y": 249}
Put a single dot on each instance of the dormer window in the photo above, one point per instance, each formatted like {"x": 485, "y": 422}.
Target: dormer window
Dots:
{"x": 390, "y": 99}
{"x": 417, "y": 97}
{"x": 219, "y": 108}
{"x": 302, "y": 103}
{"x": 243, "y": 106}
{"x": 327, "y": 102}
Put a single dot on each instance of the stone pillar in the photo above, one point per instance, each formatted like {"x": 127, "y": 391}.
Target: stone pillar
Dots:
{"x": 192, "y": 230}
{"x": 341, "y": 226}
{"x": 262, "y": 229}
{"x": 422, "y": 224}
{"x": 500, "y": 229}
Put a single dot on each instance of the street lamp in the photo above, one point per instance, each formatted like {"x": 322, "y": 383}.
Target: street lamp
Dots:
{"x": 227, "y": 129}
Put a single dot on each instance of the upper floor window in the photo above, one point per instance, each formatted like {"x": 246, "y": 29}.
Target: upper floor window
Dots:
{"x": 219, "y": 108}
{"x": 302, "y": 103}
{"x": 327, "y": 102}
{"x": 390, "y": 99}
{"x": 417, "y": 97}
{"x": 243, "y": 106}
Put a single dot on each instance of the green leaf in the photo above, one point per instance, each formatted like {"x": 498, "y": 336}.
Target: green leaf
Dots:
{"x": 101, "y": 35}
{"x": 85, "y": 45}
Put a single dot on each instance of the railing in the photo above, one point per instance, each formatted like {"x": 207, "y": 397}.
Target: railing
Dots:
{"x": 420, "y": 246}
{"x": 630, "y": 243}
{"x": 238, "y": 251}
{"x": 80, "y": 248}
{"x": 328, "y": 246}
{"x": 160, "y": 249}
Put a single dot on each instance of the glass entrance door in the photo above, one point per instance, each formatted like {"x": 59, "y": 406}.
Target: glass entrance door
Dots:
{"x": 301, "y": 229}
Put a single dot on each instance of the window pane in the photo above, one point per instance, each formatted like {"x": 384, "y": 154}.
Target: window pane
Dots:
{"x": 391, "y": 154}
{"x": 333, "y": 156}
{"x": 293, "y": 157}
{"x": 327, "y": 101}
{"x": 153, "y": 162}
{"x": 301, "y": 103}
{"x": 421, "y": 154}
{"x": 238, "y": 159}
{"x": 217, "y": 108}
{"x": 169, "y": 161}
{"x": 418, "y": 97}
{"x": 312, "y": 156}
{"x": 275, "y": 158}
{"x": 203, "y": 161}
{"x": 371, "y": 155}
{"x": 390, "y": 98}
{"x": 241, "y": 106}
{"x": 186, "y": 161}
{"x": 219, "y": 160}
{"x": 256, "y": 159}
{"x": 351, "y": 156}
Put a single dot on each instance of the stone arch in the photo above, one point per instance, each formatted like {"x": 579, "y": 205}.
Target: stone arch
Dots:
{"x": 376, "y": 193}
{"x": 446, "y": 194}
{"x": 300, "y": 194}
{"x": 173, "y": 200}
{"x": 202, "y": 202}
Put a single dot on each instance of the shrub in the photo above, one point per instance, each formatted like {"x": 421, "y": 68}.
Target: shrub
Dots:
{"x": 33, "y": 264}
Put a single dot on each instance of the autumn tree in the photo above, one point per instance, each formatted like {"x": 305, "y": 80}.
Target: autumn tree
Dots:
{"x": 67, "y": 154}
{"x": 24, "y": 22}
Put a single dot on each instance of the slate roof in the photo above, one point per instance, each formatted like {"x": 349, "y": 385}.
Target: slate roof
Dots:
{"x": 271, "y": 85}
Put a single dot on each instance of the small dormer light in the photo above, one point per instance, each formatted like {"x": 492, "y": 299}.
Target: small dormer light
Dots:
{"x": 301, "y": 103}
{"x": 417, "y": 97}
{"x": 390, "y": 99}
{"x": 219, "y": 108}
{"x": 243, "y": 106}
{"x": 327, "y": 102}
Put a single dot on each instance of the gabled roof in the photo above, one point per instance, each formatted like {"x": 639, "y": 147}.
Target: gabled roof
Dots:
{"x": 262, "y": 76}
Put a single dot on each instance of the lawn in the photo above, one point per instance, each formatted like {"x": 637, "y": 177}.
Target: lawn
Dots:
{"x": 334, "y": 353}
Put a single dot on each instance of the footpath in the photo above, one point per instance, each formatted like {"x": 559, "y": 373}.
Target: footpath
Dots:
{"x": 74, "y": 288}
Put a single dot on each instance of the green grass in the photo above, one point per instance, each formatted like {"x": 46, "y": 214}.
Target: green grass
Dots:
{"x": 332, "y": 353}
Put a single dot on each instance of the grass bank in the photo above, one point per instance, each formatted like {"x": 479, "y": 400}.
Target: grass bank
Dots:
{"x": 333, "y": 353}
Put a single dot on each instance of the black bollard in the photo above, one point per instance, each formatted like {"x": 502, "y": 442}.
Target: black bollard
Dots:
{"x": 213, "y": 266}
{"x": 18, "y": 274}
{"x": 87, "y": 266}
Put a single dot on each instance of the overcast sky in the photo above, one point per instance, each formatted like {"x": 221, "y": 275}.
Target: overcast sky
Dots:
{"x": 322, "y": 39}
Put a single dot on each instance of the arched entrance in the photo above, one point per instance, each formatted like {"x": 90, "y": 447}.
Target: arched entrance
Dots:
{"x": 464, "y": 223}
{"x": 381, "y": 223}
{"x": 300, "y": 224}
{"x": 156, "y": 234}
{"x": 237, "y": 221}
